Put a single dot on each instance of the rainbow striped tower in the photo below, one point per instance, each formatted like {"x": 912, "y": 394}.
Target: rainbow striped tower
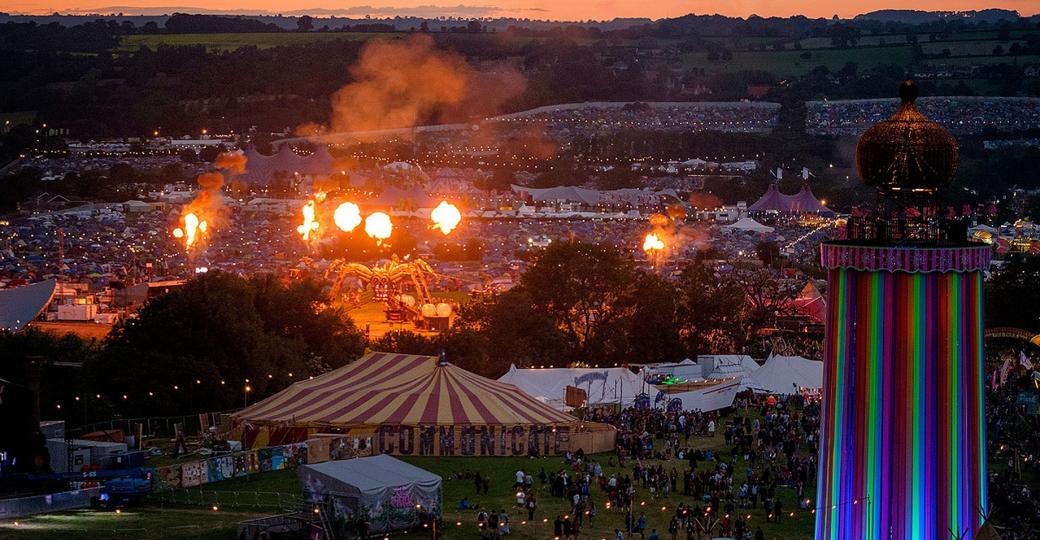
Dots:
{"x": 902, "y": 446}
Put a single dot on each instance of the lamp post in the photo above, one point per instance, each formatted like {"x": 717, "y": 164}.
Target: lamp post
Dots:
{"x": 245, "y": 394}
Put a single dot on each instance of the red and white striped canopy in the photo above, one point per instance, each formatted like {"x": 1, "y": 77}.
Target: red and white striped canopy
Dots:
{"x": 401, "y": 389}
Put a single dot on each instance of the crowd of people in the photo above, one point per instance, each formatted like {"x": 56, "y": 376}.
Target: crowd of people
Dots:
{"x": 569, "y": 120}
{"x": 961, "y": 115}
{"x": 766, "y": 459}
{"x": 1013, "y": 440}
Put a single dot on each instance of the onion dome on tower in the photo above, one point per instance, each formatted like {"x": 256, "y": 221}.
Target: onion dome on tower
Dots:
{"x": 907, "y": 158}
{"x": 907, "y": 152}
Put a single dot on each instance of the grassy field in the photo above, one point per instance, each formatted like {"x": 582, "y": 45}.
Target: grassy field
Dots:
{"x": 790, "y": 62}
{"x": 230, "y": 42}
{"x": 966, "y": 48}
{"x": 984, "y": 60}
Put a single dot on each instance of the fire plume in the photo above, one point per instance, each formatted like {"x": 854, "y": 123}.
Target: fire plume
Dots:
{"x": 347, "y": 216}
{"x": 652, "y": 243}
{"x": 309, "y": 223}
{"x": 446, "y": 217}
{"x": 379, "y": 226}
{"x": 191, "y": 231}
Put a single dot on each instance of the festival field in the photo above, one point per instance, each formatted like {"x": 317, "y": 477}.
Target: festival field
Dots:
{"x": 198, "y": 520}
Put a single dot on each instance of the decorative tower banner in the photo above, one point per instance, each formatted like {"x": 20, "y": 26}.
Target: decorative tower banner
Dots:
{"x": 902, "y": 447}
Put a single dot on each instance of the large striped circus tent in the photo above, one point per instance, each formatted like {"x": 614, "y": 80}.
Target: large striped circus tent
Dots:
{"x": 419, "y": 405}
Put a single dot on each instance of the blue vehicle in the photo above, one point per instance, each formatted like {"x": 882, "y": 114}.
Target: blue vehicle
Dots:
{"x": 123, "y": 491}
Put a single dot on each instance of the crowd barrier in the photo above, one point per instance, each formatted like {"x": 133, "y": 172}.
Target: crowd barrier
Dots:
{"x": 239, "y": 464}
{"x": 42, "y": 504}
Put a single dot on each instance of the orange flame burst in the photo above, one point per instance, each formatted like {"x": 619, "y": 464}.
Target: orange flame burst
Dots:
{"x": 379, "y": 226}
{"x": 347, "y": 216}
{"x": 309, "y": 223}
{"x": 446, "y": 217}
{"x": 652, "y": 243}
{"x": 192, "y": 230}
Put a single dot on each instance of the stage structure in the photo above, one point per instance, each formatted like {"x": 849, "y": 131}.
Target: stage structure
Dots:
{"x": 902, "y": 448}
{"x": 387, "y": 282}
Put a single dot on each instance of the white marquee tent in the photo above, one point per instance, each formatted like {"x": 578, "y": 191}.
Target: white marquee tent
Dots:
{"x": 604, "y": 385}
{"x": 387, "y": 489}
{"x": 747, "y": 224}
{"x": 722, "y": 366}
{"x": 786, "y": 375}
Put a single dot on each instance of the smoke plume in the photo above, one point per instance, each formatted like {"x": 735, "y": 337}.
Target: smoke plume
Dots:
{"x": 209, "y": 203}
{"x": 402, "y": 84}
{"x": 231, "y": 162}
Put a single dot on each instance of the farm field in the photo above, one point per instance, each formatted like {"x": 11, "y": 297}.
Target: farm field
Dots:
{"x": 790, "y": 62}
{"x": 230, "y": 42}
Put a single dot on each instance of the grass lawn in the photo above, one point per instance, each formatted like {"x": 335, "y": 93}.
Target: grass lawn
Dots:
{"x": 151, "y": 523}
{"x": 230, "y": 42}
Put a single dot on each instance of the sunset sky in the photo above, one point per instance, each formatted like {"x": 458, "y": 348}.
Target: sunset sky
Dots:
{"x": 535, "y": 9}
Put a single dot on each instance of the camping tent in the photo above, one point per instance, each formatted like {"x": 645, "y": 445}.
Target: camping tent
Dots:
{"x": 747, "y": 224}
{"x": 420, "y": 405}
{"x": 388, "y": 493}
{"x": 606, "y": 385}
{"x": 786, "y": 375}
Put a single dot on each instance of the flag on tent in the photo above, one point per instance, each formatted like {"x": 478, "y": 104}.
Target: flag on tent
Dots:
{"x": 1004, "y": 370}
{"x": 1003, "y": 245}
{"x": 1025, "y": 361}
{"x": 590, "y": 378}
